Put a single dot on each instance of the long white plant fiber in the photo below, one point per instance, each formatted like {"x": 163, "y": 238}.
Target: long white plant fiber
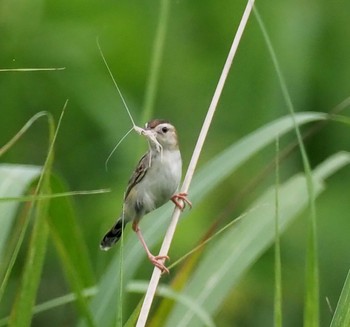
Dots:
{"x": 152, "y": 287}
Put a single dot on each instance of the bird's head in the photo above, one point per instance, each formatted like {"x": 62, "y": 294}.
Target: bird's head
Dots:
{"x": 164, "y": 132}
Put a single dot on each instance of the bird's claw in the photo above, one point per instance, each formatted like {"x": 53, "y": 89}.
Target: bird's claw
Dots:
{"x": 157, "y": 261}
{"x": 181, "y": 196}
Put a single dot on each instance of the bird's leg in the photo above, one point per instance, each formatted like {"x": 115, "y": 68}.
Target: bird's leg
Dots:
{"x": 158, "y": 260}
{"x": 181, "y": 196}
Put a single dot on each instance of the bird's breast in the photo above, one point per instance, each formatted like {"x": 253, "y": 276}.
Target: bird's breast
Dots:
{"x": 161, "y": 180}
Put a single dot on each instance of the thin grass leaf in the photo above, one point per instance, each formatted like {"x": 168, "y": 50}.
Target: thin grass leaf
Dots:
{"x": 68, "y": 233}
{"x": 14, "y": 181}
{"x": 341, "y": 119}
{"x": 20, "y": 133}
{"x": 165, "y": 291}
{"x": 181, "y": 277}
{"x": 28, "y": 198}
{"x": 21, "y": 313}
{"x": 135, "y": 314}
{"x": 54, "y": 303}
{"x": 157, "y": 56}
{"x": 205, "y": 181}
{"x": 242, "y": 150}
{"x": 165, "y": 247}
{"x": 22, "y": 230}
{"x": 278, "y": 266}
{"x": 121, "y": 297}
{"x": 72, "y": 249}
{"x": 341, "y": 316}
{"x": 239, "y": 248}
{"x": 311, "y": 308}
{"x": 16, "y": 70}
{"x": 330, "y": 166}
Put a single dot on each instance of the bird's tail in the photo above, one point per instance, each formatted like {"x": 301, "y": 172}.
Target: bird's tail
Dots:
{"x": 113, "y": 235}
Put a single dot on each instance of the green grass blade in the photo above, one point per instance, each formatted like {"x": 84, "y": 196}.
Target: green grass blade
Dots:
{"x": 278, "y": 265}
{"x": 341, "y": 119}
{"x": 21, "y": 313}
{"x": 13, "y": 251}
{"x": 20, "y": 133}
{"x": 131, "y": 322}
{"x": 14, "y": 180}
{"x": 167, "y": 292}
{"x": 204, "y": 182}
{"x": 67, "y": 232}
{"x": 54, "y": 303}
{"x": 311, "y": 308}
{"x": 72, "y": 249}
{"x": 341, "y": 316}
{"x": 235, "y": 155}
{"x": 157, "y": 55}
{"x": 16, "y": 70}
{"x": 29, "y": 198}
{"x": 239, "y": 248}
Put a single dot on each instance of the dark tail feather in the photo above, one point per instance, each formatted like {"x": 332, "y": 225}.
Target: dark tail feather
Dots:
{"x": 113, "y": 235}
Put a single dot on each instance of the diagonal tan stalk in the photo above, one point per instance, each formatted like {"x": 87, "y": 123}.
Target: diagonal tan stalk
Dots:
{"x": 152, "y": 287}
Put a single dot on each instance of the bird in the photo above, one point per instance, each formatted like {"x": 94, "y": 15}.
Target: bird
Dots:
{"x": 154, "y": 182}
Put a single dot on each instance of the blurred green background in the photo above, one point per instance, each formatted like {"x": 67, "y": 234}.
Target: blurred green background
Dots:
{"x": 310, "y": 39}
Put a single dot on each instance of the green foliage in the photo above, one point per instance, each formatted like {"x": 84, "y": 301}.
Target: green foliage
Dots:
{"x": 342, "y": 314}
{"x": 50, "y": 264}
{"x": 71, "y": 248}
{"x": 206, "y": 180}
{"x": 219, "y": 268}
{"x": 226, "y": 261}
{"x": 14, "y": 181}
{"x": 21, "y": 313}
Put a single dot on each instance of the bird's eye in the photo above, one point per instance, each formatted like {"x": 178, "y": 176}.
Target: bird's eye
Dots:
{"x": 165, "y": 129}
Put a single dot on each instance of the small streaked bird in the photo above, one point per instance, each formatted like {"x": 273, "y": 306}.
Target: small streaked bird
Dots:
{"x": 155, "y": 181}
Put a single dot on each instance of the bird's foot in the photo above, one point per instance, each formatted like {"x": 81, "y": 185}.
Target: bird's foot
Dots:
{"x": 158, "y": 262}
{"x": 183, "y": 197}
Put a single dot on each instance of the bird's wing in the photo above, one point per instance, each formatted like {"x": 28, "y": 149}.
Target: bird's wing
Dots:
{"x": 138, "y": 174}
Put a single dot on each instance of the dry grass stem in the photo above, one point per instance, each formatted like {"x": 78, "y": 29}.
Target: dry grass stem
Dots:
{"x": 190, "y": 171}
